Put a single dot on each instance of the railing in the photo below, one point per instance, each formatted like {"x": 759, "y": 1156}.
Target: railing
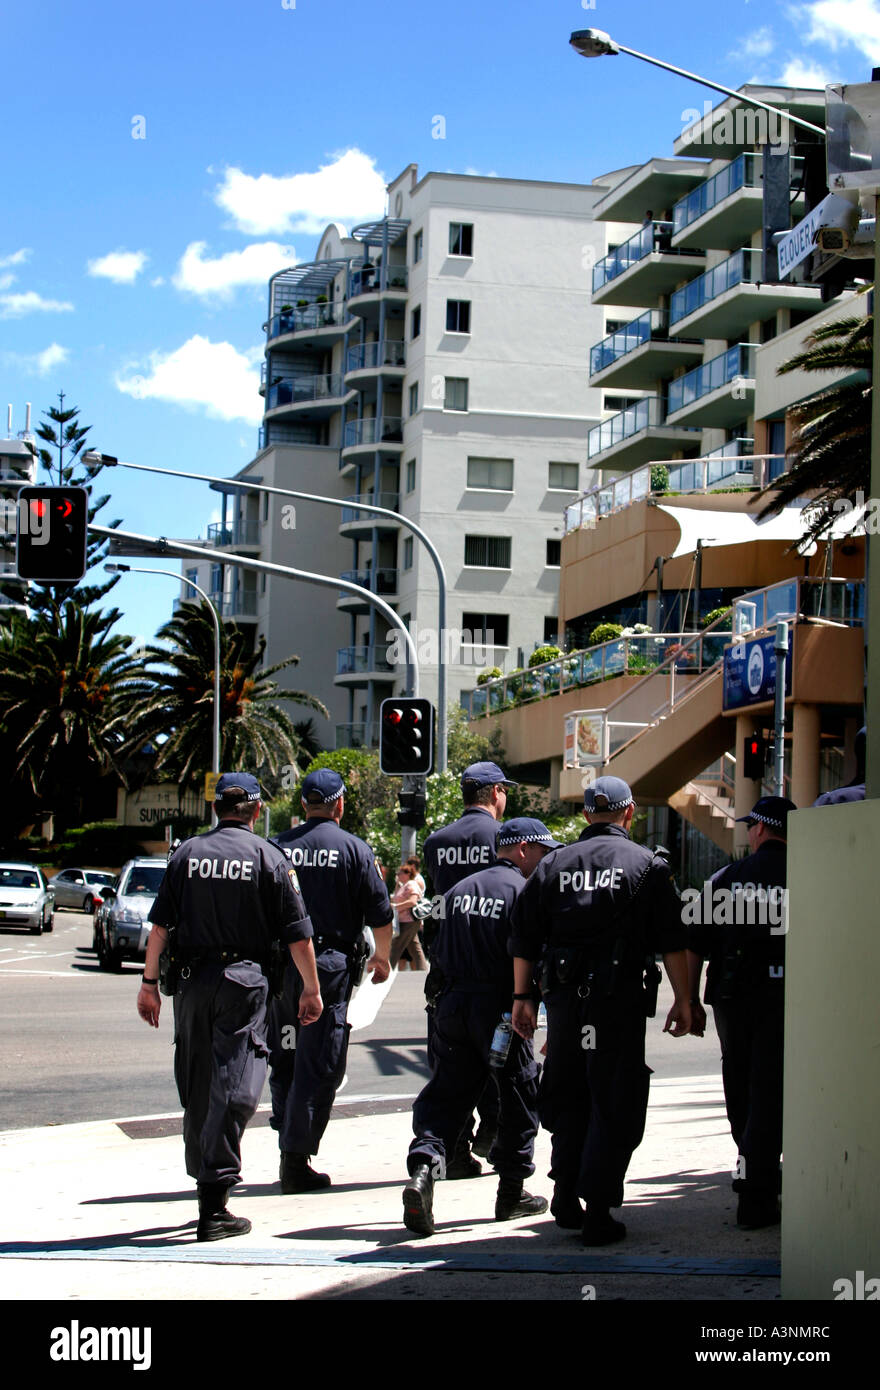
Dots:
{"x": 635, "y": 655}
{"x": 243, "y": 604}
{"x": 387, "y": 354}
{"x": 387, "y": 429}
{"x": 743, "y": 267}
{"x": 298, "y": 317}
{"x": 834, "y": 600}
{"x": 652, "y": 324}
{"x": 389, "y": 500}
{"x": 352, "y": 661}
{"x": 295, "y": 390}
{"x": 379, "y": 581}
{"x": 372, "y": 279}
{"x": 736, "y": 362}
{"x": 645, "y": 414}
{"x": 363, "y": 735}
{"x": 742, "y": 172}
{"x": 241, "y": 532}
{"x": 654, "y": 236}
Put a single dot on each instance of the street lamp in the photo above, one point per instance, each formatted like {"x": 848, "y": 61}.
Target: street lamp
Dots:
{"x": 116, "y": 568}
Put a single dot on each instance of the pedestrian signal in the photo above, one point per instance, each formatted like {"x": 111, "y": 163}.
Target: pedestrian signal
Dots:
{"x": 51, "y": 533}
{"x": 753, "y": 758}
{"x": 406, "y": 736}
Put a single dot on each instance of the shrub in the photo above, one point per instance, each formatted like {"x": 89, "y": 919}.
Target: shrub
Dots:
{"x": 718, "y": 613}
{"x": 604, "y": 632}
{"x": 548, "y": 652}
{"x": 659, "y": 477}
{"x": 492, "y": 673}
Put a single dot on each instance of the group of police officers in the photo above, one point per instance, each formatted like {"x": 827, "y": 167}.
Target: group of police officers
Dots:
{"x": 522, "y": 919}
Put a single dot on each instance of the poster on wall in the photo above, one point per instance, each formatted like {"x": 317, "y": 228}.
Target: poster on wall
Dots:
{"x": 585, "y": 738}
{"x": 750, "y": 673}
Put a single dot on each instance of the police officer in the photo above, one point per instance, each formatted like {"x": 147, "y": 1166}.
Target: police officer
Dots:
{"x": 342, "y": 888}
{"x": 451, "y": 854}
{"x": 225, "y": 897}
{"x": 739, "y": 927}
{"x": 471, "y": 951}
{"x": 854, "y": 790}
{"x": 597, "y": 911}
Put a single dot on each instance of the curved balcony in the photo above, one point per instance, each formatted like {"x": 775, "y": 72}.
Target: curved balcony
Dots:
{"x": 357, "y": 665}
{"x": 384, "y": 433}
{"x": 364, "y": 363}
{"x": 382, "y": 581}
{"x": 353, "y": 521}
{"x": 240, "y": 533}
{"x": 378, "y": 279}
{"x": 309, "y": 322}
{"x": 314, "y": 397}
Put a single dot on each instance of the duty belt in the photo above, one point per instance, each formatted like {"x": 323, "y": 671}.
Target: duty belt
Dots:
{"x": 333, "y": 943}
{"x": 188, "y": 958}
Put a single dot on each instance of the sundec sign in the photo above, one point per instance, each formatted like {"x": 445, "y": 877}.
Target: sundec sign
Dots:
{"x": 797, "y": 244}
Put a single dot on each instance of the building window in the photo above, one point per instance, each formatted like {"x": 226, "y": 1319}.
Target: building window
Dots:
{"x": 554, "y": 554}
{"x": 776, "y": 445}
{"x": 551, "y": 629}
{"x": 414, "y": 398}
{"x": 415, "y": 322}
{"x": 408, "y": 553}
{"x": 410, "y": 475}
{"x": 487, "y": 552}
{"x": 216, "y": 579}
{"x": 484, "y": 629}
{"x": 456, "y": 397}
{"x": 619, "y": 402}
{"x": 494, "y": 474}
{"x": 461, "y": 238}
{"x": 458, "y": 316}
{"x": 193, "y": 577}
{"x": 563, "y": 477}
{"x": 418, "y": 246}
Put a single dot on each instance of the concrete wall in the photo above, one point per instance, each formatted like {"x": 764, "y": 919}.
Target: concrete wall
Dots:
{"x": 774, "y": 394}
{"x": 831, "y": 1201}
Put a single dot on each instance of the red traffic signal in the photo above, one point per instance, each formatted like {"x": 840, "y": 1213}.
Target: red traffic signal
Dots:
{"x": 753, "y": 758}
{"x": 51, "y": 533}
{"x": 406, "y": 736}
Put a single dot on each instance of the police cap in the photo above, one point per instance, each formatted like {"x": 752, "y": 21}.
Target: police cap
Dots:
{"x": 513, "y": 832}
{"x": 237, "y": 786}
{"x": 607, "y": 794}
{"x": 323, "y": 785}
{"x": 770, "y": 810}
{"x": 485, "y": 775}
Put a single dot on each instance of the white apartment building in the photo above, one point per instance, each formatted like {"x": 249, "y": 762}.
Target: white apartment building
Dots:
{"x": 433, "y": 362}
{"x": 18, "y": 468}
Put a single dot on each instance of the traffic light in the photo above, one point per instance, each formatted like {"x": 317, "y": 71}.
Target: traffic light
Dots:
{"x": 51, "y": 533}
{"x": 406, "y": 736}
{"x": 412, "y": 809}
{"x": 753, "y": 758}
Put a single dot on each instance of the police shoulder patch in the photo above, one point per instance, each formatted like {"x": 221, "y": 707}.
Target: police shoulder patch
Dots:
{"x": 294, "y": 880}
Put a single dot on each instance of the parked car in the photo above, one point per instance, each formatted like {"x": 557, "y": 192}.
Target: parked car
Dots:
{"x": 121, "y": 928}
{"x": 25, "y": 898}
{"x": 80, "y": 887}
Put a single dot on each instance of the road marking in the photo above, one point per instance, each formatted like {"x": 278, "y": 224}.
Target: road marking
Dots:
{"x": 54, "y": 974}
{"x": 39, "y": 955}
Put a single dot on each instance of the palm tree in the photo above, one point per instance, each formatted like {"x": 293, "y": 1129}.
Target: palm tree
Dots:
{"x": 66, "y": 693}
{"x": 830, "y": 452}
{"x": 255, "y": 732}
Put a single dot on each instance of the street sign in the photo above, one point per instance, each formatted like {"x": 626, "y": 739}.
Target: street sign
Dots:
{"x": 750, "y": 673}
{"x": 211, "y": 780}
{"x": 795, "y": 246}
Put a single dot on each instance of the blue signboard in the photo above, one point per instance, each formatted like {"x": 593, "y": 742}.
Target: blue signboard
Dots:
{"x": 750, "y": 673}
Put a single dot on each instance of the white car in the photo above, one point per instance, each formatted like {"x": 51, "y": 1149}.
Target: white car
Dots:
{"x": 25, "y": 898}
{"x": 80, "y": 887}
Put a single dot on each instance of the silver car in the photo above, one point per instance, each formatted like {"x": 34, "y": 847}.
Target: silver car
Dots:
{"x": 25, "y": 898}
{"x": 80, "y": 887}
{"x": 121, "y": 928}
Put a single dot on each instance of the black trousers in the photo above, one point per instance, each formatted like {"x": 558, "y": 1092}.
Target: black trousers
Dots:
{"x": 220, "y": 1063}
{"x": 308, "y": 1063}
{"x": 459, "y": 1054}
{"x": 594, "y": 1088}
{"x": 750, "y": 1029}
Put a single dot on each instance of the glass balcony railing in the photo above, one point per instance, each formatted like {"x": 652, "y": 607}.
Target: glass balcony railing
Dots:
{"x": 388, "y": 429}
{"x": 835, "y": 600}
{"x": 297, "y": 390}
{"x": 652, "y": 324}
{"x": 725, "y": 465}
{"x": 352, "y": 661}
{"x": 641, "y": 416}
{"x": 743, "y": 267}
{"x": 388, "y": 354}
{"x": 363, "y": 735}
{"x": 732, "y": 462}
{"x": 720, "y": 371}
{"x": 743, "y": 172}
{"x": 295, "y": 317}
{"x": 389, "y": 500}
{"x": 654, "y": 236}
{"x": 242, "y": 604}
{"x": 380, "y": 581}
{"x": 371, "y": 279}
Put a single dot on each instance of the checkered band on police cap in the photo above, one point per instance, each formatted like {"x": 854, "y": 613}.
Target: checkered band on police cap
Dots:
{"x": 607, "y": 794}
{"x": 325, "y": 783}
{"x": 771, "y": 810}
{"x": 237, "y": 786}
{"x": 526, "y": 828}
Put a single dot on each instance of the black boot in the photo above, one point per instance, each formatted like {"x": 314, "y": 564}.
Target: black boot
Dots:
{"x": 463, "y": 1164}
{"x": 418, "y": 1201}
{"x": 511, "y": 1202}
{"x": 566, "y": 1208}
{"x": 215, "y": 1222}
{"x": 297, "y": 1175}
{"x": 755, "y": 1210}
{"x": 600, "y": 1228}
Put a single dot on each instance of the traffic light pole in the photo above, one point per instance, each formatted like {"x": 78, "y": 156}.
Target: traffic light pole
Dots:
{"x": 223, "y": 484}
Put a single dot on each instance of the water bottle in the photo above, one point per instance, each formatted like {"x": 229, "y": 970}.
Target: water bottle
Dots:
{"x": 501, "y": 1040}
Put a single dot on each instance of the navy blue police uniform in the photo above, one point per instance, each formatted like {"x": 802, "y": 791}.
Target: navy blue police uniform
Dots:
{"x": 471, "y": 950}
{"x": 746, "y": 989}
{"x": 226, "y": 896}
{"x": 343, "y": 890}
{"x": 595, "y": 913}
{"x": 854, "y": 790}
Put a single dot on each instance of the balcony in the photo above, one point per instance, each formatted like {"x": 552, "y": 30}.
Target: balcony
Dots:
{"x": 640, "y": 354}
{"x": 729, "y": 465}
{"x": 354, "y": 521}
{"x": 357, "y": 665}
{"x": 378, "y": 279}
{"x": 238, "y": 605}
{"x": 369, "y": 359}
{"x": 319, "y": 321}
{"x": 314, "y": 396}
{"x": 383, "y": 433}
{"x": 644, "y": 267}
{"x": 731, "y": 296}
{"x": 725, "y": 210}
{"x": 637, "y": 435}
{"x": 243, "y": 532}
{"x": 720, "y": 393}
{"x": 382, "y": 581}
{"x": 358, "y": 735}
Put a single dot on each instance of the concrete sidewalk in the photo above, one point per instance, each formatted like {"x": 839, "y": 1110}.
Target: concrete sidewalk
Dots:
{"x": 106, "y": 1211}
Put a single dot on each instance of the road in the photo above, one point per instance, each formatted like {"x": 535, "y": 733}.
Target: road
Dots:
{"x": 74, "y": 1048}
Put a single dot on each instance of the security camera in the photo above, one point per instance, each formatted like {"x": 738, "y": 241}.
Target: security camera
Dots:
{"x": 839, "y": 225}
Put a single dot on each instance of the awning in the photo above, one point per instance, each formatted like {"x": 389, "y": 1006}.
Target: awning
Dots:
{"x": 737, "y": 528}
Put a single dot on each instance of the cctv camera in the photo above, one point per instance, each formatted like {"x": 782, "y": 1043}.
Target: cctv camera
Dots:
{"x": 839, "y": 223}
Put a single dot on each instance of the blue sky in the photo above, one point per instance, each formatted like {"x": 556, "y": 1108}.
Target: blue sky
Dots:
{"x": 161, "y": 161}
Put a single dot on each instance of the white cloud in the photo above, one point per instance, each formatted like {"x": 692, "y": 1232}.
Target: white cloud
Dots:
{"x": 755, "y": 45}
{"x": 123, "y": 267}
{"x": 835, "y": 23}
{"x": 157, "y": 280}
{"x": 17, "y": 257}
{"x": 13, "y": 306}
{"x": 478, "y": 173}
{"x": 213, "y": 376}
{"x": 37, "y": 362}
{"x": 800, "y": 72}
{"x": 6, "y": 281}
{"x": 347, "y": 189}
{"x": 199, "y": 274}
